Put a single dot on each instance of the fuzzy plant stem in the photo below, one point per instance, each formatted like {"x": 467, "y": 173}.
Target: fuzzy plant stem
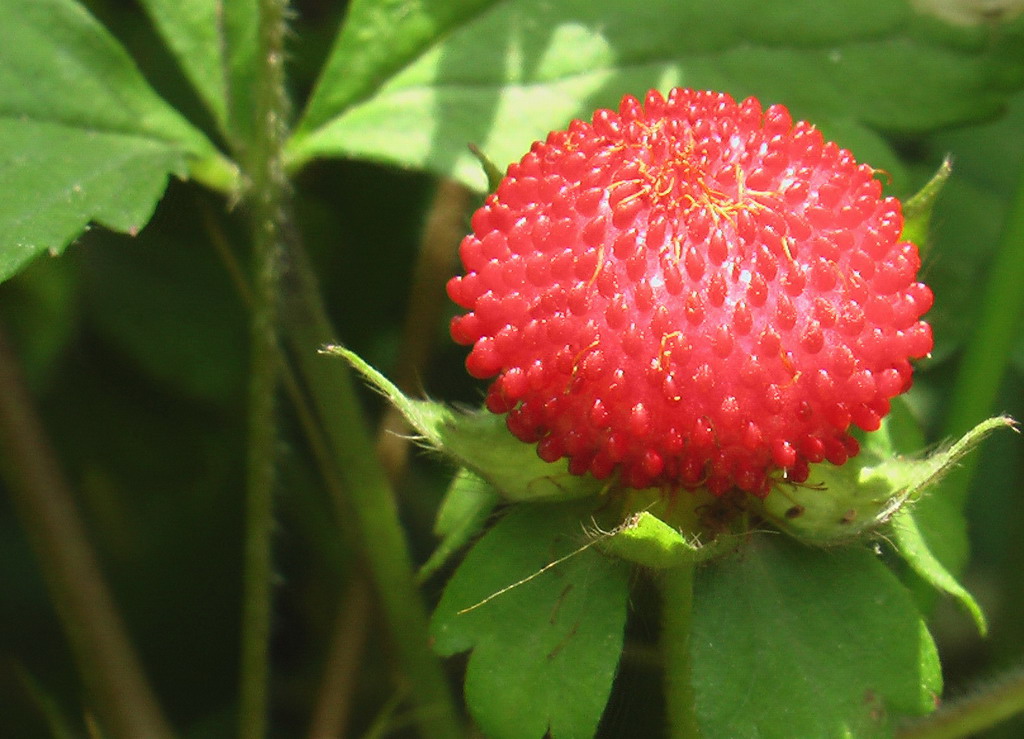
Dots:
{"x": 106, "y": 662}
{"x": 988, "y": 350}
{"x": 974, "y": 713}
{"x": 268, "y": 204}
{"x": 370, "y": 499}
{"x": 676, "y": 620}
{"x": 334, "y": 695}
{"x": 444, "y": 225}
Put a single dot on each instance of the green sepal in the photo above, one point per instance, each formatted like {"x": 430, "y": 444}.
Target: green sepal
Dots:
{"x": 646, "y": 540}
{"x": 840, "y": 503}
{"x": 917, "y": 210}
{"x": 467, "y": 504}
{"x": 494, "y": 175}
{"x": 905, "y": 535}
{"x": 480, "y": 442}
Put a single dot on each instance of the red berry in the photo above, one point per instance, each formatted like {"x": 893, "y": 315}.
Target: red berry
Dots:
{"x": 691, "y": 292}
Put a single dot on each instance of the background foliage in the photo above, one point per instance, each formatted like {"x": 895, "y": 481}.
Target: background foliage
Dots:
{"x": 135, "y": 339}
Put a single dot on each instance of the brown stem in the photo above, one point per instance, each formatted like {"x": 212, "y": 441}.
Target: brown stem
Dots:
{"x": 337, "y": 686}
{"x": 106, "y": 662}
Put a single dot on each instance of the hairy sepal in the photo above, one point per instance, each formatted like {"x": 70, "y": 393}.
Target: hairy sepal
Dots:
{"x": 480, "y": 442}
{"x": 837, "y": 504}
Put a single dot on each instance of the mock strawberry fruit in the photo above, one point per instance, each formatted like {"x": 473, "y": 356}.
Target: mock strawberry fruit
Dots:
{"x": 691, "y": 292}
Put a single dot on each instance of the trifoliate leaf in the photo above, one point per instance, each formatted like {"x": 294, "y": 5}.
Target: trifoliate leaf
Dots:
{"x": 543, "y": 613}
{"x": 480, "y": 442}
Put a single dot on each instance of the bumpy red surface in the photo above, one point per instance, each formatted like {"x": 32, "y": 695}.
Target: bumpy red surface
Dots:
{"x": 691, "y": 291}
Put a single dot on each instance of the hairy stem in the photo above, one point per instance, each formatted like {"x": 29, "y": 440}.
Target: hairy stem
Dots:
{"x": 269, "y": 205}
{"x": 370, "y": 499}
{"x": 441, "y": 232}
{"x": 676, "y": 618}
{"x": 105, "y": 659}
{"x": 987, "y": 354}
{"x": 975, "y": 713}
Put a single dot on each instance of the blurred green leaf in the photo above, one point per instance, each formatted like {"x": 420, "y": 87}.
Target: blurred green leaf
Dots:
{"x": 40, "y": 311}
{"x": 790, "y": 641}
{"x": 545, "y": 651}
{"x": 169, "y": 305}
{"x": 464, "y": 510}
{"x": 969, "y": 215}
{"x": 215, "y": 44}
{"x": 510, "y": 73}
{"x": 82, "y": 135}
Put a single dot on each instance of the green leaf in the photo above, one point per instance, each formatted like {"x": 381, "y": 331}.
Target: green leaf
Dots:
{"x": 82, "y": 136}
{"x": 546, "y": 637}
{"x": 791, "y": 641}
{"x": 377, "y": 38}
{"x": 464, "y": 511}
{"x": 912, "y": 546}
{"x": 192, "y": 31}
{"x": 215, "y": 44}
{"x": 56, "y": 179}
{"x": 482, "y": 443}
{"x": 508, "y": 74}
{"x": 840, "y": 503}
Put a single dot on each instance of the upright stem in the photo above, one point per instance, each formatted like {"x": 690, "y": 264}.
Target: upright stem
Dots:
{"x": 105, "y": 659}
{"x": 676, "y": 619}
{"x": 269, "y": 206}
{"x": 370, "y": 499}
{"x": 442, "y": 230}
